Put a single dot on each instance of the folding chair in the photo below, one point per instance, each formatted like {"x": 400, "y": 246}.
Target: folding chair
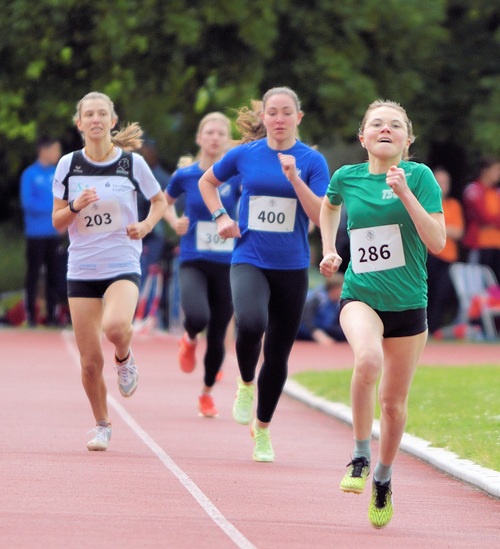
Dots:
{"x": 471, "y": 282}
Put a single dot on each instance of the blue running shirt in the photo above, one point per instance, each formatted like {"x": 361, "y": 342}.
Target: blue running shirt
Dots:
{"x": 202, "y": 241}
{"x": 273, "y": 223}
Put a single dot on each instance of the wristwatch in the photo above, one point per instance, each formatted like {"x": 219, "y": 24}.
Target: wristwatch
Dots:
{"x": 218, "y": 213}
{"x": 72, "y": 207}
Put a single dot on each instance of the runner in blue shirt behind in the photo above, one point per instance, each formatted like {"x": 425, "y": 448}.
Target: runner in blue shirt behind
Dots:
{"x": 283, "y": 182}
{"x": 204, "y": 256}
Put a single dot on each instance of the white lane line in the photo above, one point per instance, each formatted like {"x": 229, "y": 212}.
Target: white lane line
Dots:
{"x": 210, "y": 509}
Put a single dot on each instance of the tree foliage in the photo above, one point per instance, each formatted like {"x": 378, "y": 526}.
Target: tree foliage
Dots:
{"x": 165, "y": 63}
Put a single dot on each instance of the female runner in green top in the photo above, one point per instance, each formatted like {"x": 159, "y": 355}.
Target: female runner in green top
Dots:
{"x": 394, "y": 215}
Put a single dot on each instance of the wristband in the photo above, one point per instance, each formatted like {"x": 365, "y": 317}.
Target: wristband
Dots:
{"x": 72, "y": 208}
{"x": 218, "y": 213}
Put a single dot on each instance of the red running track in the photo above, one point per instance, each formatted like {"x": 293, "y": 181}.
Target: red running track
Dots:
{"x": 171, "y": 479}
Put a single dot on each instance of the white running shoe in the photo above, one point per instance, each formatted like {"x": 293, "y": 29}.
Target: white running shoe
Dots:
{"x": 101, "y": 439}
{"x": 128, "y": 376}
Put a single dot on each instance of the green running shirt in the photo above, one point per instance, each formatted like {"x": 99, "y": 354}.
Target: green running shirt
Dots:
{"x": 387, "y": 270}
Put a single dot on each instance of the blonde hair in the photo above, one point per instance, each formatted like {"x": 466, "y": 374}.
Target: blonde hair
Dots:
{"x": 214, "y": 117}
{"x": 188, "y": 159}
{"x": 128, "y": 137}
{"x": 396, "y": 106}
{"x": 185, "y": 160}
{"x": 249, "y": 122}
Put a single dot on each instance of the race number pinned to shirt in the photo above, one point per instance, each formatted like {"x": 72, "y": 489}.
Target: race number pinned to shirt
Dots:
{"x": 272, "y": 214}
{"x": 209, "y": 240}
{"x": 103, "y": 216}
{"x": 377, "y": 249}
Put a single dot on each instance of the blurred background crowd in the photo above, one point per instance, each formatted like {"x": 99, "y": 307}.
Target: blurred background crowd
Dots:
{"x": 166, "y": 64}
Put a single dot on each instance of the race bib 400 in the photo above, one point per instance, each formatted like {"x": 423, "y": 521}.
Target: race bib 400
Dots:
{"x": 272, "y": 214}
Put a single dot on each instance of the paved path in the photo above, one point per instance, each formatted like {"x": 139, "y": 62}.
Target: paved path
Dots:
{"x": 171, "y": 479}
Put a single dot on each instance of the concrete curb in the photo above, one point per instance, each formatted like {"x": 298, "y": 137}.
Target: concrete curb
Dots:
{"x": 463, "y": 469}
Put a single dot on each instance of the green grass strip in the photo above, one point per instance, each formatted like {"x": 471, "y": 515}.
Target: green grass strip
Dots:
{"x": 455, "y": 408}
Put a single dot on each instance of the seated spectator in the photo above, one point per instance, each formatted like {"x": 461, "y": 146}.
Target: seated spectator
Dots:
{"x": 441, "y": 294}
{"x": 320, "y": 320}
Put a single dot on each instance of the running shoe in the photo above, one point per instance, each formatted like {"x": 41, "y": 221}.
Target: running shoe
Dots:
{"x": 381, "y": 507}
{"x": 243, "y": 405}
{"x": 128, "y": 376}
{"x": 355, "y": 479}
{"x": 263, "y": 449}
{"x": 206, "y": 406}
{"x": 187, "y": 354}
{"x": 102, "y": 436}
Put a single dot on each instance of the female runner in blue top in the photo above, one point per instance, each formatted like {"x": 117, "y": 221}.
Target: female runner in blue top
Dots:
{"x": 283, "y": 182}
{"x": 394, "y": 214}
{"x": 204, "y": 256}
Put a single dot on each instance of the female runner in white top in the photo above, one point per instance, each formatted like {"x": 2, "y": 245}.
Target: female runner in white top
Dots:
{"x": 95, "y": 198}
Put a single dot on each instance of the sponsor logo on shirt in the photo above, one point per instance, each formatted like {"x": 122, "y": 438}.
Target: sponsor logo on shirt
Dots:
{"x": 77, "y": 186}
{"x": 225, "y": 189}
{"x": 123, "y": 167}
{"x": 388, "y": 194}
{"x": 119, "y": 185}
{"x": 120, "y": 264}
{"x": 87, "y": 266}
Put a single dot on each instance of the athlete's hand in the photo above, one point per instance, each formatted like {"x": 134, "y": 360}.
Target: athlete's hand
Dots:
{"x": 182, "y": 225}
{"x": 137, "y": 231}
{"x": 288, "y": 166}
{"x": 86, "y": 197}
{"x": 227, "y": 228}
{"x": 396, "y": 179}
{"x": 330, "y": 264}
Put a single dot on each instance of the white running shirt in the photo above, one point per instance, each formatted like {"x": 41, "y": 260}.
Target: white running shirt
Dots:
{"x": 99, "y": 246}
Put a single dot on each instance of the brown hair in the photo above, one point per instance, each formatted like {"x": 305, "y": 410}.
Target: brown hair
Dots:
{"x": 249, "y": 120}
{"x": 128, "y": 137}
{"x": 393, "y": 104}
{"x": 279, "y": 90}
